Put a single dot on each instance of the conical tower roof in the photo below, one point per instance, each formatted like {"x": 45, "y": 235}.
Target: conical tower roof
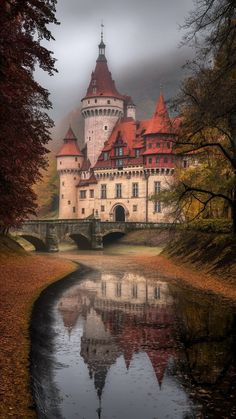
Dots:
{"x": 70, "y": 146}
{"x": 101, "y": 83}
{"x": 160, "y": 122}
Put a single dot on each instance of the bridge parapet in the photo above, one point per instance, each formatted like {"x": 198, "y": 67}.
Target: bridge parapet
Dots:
{"x": 51, "y": 232}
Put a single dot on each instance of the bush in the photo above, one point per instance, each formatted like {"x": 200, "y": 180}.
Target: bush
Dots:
{"x": 218, "y": 225}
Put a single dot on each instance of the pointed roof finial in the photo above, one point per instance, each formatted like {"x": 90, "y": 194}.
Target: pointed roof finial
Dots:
{"x": 102, "y": 26}
{"x": 161, "y": 87}
{"x": 101, "y": 46}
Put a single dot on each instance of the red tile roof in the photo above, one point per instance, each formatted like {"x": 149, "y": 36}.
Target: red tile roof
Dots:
{"x": 70, "y": 146}
{"x": 160, "y": 122}
{"x": 86, "y": 165}
{"x": 101, "y": 83}
{"x": 85, "y": 182}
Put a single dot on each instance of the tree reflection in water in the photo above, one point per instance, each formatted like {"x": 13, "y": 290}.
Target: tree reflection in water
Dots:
{"x": 207, "y": 330}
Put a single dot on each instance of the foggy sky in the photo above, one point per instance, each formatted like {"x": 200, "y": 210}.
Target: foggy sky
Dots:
{"x": 141, "y": 38}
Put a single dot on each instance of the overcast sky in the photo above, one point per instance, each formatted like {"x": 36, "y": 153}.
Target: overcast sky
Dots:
{"x": 142, "y": 38}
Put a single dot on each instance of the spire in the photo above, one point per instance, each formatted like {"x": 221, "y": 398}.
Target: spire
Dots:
{"x": 101, "y": 83}
{"x": 70, "y": 146}
{"x": 102, "y": 47}
{"x": 160, "y": 122}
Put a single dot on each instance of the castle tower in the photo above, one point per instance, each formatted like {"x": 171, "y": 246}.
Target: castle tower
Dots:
{"x": 69, "y": 163}
{"x": 101, "y": 107}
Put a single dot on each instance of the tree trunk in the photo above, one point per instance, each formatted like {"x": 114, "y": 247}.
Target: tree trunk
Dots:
{"x": 232, "y": 123}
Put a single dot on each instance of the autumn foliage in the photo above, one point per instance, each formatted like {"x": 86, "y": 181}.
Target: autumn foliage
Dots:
{"x": 25, "y": 125}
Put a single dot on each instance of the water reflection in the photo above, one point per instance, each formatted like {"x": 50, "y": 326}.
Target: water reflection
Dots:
{"x": 124, "y": 328}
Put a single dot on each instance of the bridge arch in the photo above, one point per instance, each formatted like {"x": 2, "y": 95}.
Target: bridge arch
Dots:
{"x": 37, "y": 242}
{"x": 112, "y": 236}
{"x": 83, "y": 242}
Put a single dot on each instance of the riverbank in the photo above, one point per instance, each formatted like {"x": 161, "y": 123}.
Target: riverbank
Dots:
{"x": 22, "y": 277}
{"x": 206, "y": 261}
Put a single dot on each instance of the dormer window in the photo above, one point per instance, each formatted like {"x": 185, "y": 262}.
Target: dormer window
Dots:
{"x": 150, "y": 145}
{"x": 137, "y": 152}
{"x": 94, "y": 90}
{"x": 105, "y": 155}
{"x": 119, "y": 151}
{"x": 94, "y": 82}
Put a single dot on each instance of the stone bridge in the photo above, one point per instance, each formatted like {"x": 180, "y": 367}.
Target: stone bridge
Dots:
{"x": 46, "y": 235}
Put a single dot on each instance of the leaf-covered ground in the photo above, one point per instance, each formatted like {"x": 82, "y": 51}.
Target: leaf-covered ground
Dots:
{"x": 198, "y": 278}
{"x": 22, "y": 278}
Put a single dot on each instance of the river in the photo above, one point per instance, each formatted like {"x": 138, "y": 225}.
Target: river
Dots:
{"x": 116, "y": 340}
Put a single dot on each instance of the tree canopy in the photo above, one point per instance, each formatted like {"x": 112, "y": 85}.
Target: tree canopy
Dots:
{"x": 207, "y": 106}
{"x": 25, "y": 125}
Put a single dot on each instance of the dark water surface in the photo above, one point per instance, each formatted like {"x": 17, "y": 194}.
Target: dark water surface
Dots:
{"x": 117, "y": 341}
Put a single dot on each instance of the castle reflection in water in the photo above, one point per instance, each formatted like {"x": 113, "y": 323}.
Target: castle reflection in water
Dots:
{"x": 123, "y": 314}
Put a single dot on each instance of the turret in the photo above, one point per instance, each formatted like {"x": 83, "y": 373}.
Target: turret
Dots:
{"x": 102, "y": 106}
{"x": 69, "y": 163}
{"x": 130, "y": 108}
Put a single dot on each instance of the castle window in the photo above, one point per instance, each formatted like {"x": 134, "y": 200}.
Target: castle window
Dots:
{"x": 137, "y": 152}
{"x": 68, "y": 202}
{"x": 118, "y": 289}
{"x": 104, "y": 288}
{"x": 82, "y": 210}
{"x": 135, "y": 208}
{"x": 119, "y": 151}
{"x": 118, "y": 190}
{"x": 82, "y": 194}
{"x": 103, "y": 191}
{"x": 74, "y": 178}
{"x": 157, "y": 187}
{"x": 157, "y": 159}
{"x": 165, "y": 159}
{"x": 157, "y": 293}
{"x": 108, "y": 102}
{"x": 63, "y": 183}
{"x": 62, "y": 196}
{"x": 94, "y": 90}
{"x": 119, "y": 162}
{"x": 102, "y": 208}
{"x": 157, "y": 206}
{"x": 76, "y": 158}
{"x": 60, "y": 162}
{"x": 149, "y": 159}
{"x": 95, "y": 101}
{"x": 105, "y": 127}
{"x": 91, "y": 193}
{"x": 74, "y": 209}
{"x": 88, "y": 101}
{"x": 105, "y": 155}
{"x": 158, "y": 145}
{"x": 150, "y": 145}
{"x": 168, "y": 145}
{"x": 134, "y": 291}
{"x": 134, "y": 190}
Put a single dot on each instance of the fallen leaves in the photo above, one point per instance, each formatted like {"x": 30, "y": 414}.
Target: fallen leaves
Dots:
{"x": 22, "y": 278}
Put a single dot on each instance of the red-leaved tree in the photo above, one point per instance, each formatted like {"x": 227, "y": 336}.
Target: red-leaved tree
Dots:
{"x": 24, "y": 123}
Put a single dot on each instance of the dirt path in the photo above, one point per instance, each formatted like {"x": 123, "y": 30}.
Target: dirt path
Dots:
{"x": 22, "y": 278}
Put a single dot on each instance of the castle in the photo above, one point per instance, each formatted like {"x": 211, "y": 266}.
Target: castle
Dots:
{"x": 124, "y": 161}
